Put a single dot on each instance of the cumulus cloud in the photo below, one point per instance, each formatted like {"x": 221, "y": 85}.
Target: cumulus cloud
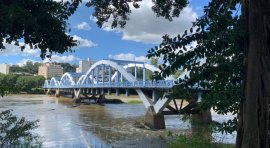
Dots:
{"x": 144, "y": 26}
{"x": 12, "y": 49}
{"x": 129, "y": 57}
{"x": 84, "y": 42}
{"x": 83, "y": 26}
{"x": 62, "y": 59}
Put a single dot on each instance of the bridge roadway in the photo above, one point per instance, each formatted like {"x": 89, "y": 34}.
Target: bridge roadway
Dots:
{"x": 160, "y": 84}
{"x": 117, "y": 74}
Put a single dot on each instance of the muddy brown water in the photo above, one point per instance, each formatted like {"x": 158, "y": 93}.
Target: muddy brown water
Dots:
{"x": 111, "y": 125}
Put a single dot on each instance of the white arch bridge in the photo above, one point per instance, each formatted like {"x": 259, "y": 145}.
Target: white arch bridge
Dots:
{"x": 106, "y": 76}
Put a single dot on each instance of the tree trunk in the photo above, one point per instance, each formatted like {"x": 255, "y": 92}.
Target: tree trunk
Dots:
{"x": 255, "y": 105}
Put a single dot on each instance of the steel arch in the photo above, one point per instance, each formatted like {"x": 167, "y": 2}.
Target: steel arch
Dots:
{"x": 146, "y": 66}
{"x": 67, "y": 78}
{"x": 147, "y": 102}
{"x": 54, "y": 82}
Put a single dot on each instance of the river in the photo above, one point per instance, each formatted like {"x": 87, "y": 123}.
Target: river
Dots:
{"x": 110, "y": 125}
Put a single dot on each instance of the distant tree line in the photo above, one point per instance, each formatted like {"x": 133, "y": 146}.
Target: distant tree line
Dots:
{"x": 32, "y": 67}
{"x": 16, "y": 84}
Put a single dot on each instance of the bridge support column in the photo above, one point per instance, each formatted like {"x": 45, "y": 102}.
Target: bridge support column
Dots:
{"x": 92, "y": 91}
{"x": 154, "y": 96}
{"x": 117, "y": 92}
{"x": 77, "y": 93}
{"x": 48, "y": 91}
{"x": 109, "y": 91}
{"x": 135, "y": 72}
{"x": 127, "y": 92}
{"x": 96, "y": 91}
{"x": 57, "y": 93}
{"x": 155, "y": 121}
{"x": 144, "y": 75}
{"x": 102, "y": 91}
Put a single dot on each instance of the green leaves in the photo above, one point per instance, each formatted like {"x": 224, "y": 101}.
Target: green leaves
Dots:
{"x": 119, "y": 11}
{"x": 215, "y": 62}
{"x": 14, "y": 131}
{"x": 40, "y": 24}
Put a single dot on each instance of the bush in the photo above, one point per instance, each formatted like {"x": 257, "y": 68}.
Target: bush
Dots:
{"x": 15, "y": 132}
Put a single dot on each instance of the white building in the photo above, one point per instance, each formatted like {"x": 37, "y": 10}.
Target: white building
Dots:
{"x": 84, "y": 66}
{"x": 4, "y": 68}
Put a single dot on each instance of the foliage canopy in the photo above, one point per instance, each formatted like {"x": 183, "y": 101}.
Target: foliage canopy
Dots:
{"x": 39, "y": 23}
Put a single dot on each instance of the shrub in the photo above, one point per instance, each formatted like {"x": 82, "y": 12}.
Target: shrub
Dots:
{"x": 15, "y": 132}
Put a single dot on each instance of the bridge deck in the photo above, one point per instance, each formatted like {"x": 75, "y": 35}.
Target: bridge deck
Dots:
{"x": 163, "y": 84}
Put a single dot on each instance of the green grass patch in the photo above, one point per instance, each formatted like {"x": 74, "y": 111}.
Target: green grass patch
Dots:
{"x": 135, "y": 102}
{"x": 196, "y": 141}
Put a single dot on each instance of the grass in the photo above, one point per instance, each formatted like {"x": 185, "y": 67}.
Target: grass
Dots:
{"x": 134, "y": 102}
{"x": 196, "y": 141}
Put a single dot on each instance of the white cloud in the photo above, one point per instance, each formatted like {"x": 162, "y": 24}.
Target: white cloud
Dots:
{"x": 84, "y": 42}
{"x": 144, "y": 26}
{"x": 83, "y": 26}
{"x": 129, "y": 57}
{"x": 62, "y": 59}
{"x": 12, "y": 49}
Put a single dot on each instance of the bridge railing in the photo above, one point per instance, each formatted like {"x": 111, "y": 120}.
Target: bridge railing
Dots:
{"x": 163, "y": 84}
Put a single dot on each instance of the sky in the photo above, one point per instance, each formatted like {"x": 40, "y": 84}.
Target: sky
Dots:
{"x": 142, "y": 32}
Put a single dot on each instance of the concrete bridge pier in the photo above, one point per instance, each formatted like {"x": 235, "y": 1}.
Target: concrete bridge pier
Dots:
{"x": 77, "y": 93}
{"x": 109, "y": 91}
{"x": 154, "y": 96}
{"x": 48, "y": 91}
{"x": 127, "y": 92}
{"x": 117, "y": 92}
{"x": 153, "y": 119}
{"x": 57, "y": 93}
{"x": 102, "y": 91}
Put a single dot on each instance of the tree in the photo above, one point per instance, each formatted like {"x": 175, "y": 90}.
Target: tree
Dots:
{"x": 255, "y": 115}
{"x": 119, "y": 11}
{"x": 15, "y": 69}
{"x": 15, "y": 132}
{"x": 40, "y": 24}
{"x": 235, "y": 48}
{"x": 154, "y": 61}
{"x": 28, "y": 67}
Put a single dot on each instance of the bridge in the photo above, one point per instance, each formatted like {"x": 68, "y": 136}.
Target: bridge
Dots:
{"x": 106, "y": 76}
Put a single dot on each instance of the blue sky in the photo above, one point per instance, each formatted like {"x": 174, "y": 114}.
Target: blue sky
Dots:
{"x": 141, "y": 33}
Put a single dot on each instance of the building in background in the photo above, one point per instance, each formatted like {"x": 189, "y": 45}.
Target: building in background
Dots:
{"x": 84, "y": 66}
{"x": 4, "y": 68}
{"x": 49, "y": 70}
{"x": 78, "y": 70}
